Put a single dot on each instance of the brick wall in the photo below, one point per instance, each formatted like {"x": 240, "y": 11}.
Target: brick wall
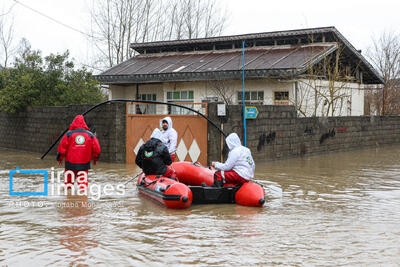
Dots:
{"x": 38, "y": 127}
{"x": 277, "y": 133}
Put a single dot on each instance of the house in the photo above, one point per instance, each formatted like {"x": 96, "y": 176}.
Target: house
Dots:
{"x": 317, "y": 70}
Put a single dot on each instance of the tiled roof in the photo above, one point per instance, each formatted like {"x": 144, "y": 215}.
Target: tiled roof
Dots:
{"x": 196, "y": 65}
{"x": 275, "y": 55}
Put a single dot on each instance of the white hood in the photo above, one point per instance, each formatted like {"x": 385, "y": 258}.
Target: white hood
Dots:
{"x": 169, "y": 136}
{"x": 233, "y": 141}
{"x": 156, "y": 134}
{"x": 169, "y": 120}
{"x": 239, "y": 158}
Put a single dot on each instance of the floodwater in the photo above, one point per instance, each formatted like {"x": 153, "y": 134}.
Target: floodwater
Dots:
{"x": 329, "y": 210}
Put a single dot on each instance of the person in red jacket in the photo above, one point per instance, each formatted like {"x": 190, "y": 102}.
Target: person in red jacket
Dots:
{"x": 78, "y": 146}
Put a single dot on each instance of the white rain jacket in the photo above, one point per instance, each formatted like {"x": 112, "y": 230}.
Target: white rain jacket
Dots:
{"x": 169, "y": 136}
{"x": 239, "y": 158}
{"x": 156, "y": 134}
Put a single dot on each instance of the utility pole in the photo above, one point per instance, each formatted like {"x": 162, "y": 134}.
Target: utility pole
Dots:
{"x": 244, "y": 106}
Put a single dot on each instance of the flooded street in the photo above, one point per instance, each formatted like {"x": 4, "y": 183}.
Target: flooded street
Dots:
{"x": 329, "y": 210}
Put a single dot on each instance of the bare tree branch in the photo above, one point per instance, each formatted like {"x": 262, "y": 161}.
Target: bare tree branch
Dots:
{"x": 385, "y": 57}
{"x": 224, "y": 90}
{"x": 118, "y": 23}
{"x": 327, "y": 84}
{"x": 7, "y": 48}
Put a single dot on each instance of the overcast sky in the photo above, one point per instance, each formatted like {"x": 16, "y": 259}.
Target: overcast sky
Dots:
{"x": 357, "y": 20}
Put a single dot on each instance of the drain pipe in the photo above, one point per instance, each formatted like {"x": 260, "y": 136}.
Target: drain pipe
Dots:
{"x": 296, "y": 89}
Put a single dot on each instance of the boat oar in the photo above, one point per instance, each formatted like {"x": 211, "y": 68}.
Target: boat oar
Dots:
{"x": 133, "y": 178}
{"x": 269, "y": 186}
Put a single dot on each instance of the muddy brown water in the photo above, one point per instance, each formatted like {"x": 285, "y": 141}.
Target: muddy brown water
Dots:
{"x": 328, "y": 210}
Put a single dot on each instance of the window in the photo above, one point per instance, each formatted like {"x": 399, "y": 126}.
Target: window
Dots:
{"x": 180, "y": 97}
{"x": 251, "y": 97}
{"x": 146, "y": 108}
{"x": 281, "y": 98}
{"x": 152, "y": 97}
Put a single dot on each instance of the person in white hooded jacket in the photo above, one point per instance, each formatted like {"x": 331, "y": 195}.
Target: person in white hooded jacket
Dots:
{"x": 169, "y": 136}
{"x": 239, "y": 167}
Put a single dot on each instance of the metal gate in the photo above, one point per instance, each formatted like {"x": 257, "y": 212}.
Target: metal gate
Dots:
{"x": 191, "y": 129}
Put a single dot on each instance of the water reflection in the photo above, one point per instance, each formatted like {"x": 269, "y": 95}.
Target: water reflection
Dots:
{"x": 75, "y": 234}
{"x": 337, "y": 209}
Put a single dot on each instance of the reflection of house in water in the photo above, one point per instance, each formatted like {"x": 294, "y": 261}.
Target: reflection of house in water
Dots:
{"x": 282, "y": 68}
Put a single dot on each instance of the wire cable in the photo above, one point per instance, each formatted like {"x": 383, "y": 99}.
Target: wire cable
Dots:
{"x": 8, "y": 12}
{"x": 52, "y": 19}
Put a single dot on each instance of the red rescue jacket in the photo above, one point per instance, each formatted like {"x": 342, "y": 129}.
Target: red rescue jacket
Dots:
{"x": 78, "y": 145}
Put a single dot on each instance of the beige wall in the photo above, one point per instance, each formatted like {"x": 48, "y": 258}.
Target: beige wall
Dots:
{"x": 203, "y": 89}
{"x": 349, "y": 103}
{"x": 117, "y": 91}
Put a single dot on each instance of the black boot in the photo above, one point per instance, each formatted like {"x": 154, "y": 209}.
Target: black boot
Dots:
{"x": 219, "y": 183}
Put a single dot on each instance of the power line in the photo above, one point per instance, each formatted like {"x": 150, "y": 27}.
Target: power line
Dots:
{"x": 61, "y": 23}
{"x": 52, "y": 19}
{"x": 4, "y": 14}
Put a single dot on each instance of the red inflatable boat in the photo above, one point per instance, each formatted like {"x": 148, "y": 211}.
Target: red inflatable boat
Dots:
{"x": 166, "y": 191}
{"x": 194, "y": 175}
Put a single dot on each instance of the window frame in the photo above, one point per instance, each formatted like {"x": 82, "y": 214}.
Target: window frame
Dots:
{"x": 176, "y": 110}
{"x": 144, "y": 108}
{"x": 248, "y": 97}
{"x": 283, "y": 102}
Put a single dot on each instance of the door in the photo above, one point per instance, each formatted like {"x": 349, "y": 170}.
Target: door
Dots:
{"x": 191, "y": 129}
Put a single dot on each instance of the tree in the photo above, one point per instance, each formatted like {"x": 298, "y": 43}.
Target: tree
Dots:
{"x": 325, "y": 86}
{"x": 48, "y": 81}
{"x": 118, "y": 23}
{"x": 198, "y": 19}
{"x": 385, "y": 57}
{"x": 7, "y": 48}
{"x": 223, "y": 89}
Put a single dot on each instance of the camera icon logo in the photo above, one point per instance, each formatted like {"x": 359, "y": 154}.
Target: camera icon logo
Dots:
{"x": 18, "y": 171}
